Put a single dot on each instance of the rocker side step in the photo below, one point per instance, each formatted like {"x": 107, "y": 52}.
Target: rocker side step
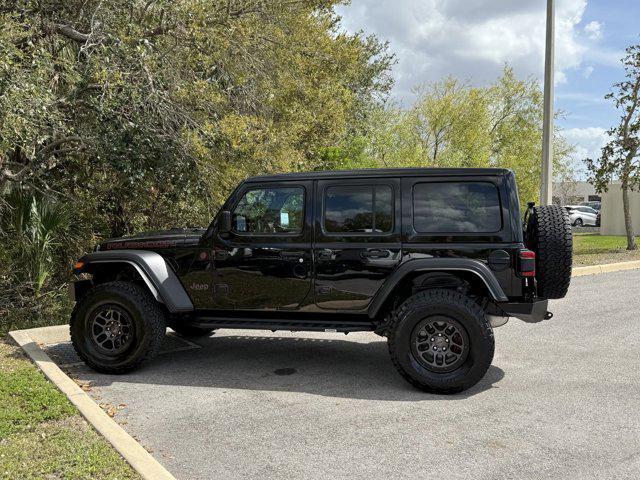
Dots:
{"x": 283, "y": 324}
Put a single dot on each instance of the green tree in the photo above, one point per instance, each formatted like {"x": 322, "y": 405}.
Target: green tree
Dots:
{"x": 148, "y": 112}
{"x": 385, "y": 139}
{"x": 455, "y": 125}
{"x": 36, "y": 226}
{"x": 620, "y": 157}
{"x": 451, "y": 121}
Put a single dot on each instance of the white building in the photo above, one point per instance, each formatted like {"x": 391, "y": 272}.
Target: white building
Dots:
{"x": 612, "y": 214}
{"x": 574, "y": 193}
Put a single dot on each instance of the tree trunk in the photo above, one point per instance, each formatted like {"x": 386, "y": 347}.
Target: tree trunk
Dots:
{"x": 628, "y": 223}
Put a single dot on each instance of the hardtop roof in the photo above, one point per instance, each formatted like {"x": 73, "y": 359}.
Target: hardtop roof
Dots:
{"x": 381, "y": 172}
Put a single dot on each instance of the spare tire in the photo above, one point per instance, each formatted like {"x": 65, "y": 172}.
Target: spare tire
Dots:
{"x": 548, "y": 233}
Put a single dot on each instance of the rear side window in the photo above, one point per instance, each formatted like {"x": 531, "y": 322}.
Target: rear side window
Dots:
{"x": 456, "y": 207}
{"x": 358, "y": 209}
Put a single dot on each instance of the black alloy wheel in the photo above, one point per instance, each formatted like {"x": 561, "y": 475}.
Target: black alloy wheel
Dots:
{"x": 112, "y": 329}
{"x": 440, "y": 344}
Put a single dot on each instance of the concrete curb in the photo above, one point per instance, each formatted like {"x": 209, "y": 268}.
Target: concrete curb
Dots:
{"x": 139, "y": 459}
{"x": 605, "y": 268}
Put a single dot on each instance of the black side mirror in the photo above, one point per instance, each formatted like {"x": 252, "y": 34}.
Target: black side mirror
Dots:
{"x": 224, "y": 222}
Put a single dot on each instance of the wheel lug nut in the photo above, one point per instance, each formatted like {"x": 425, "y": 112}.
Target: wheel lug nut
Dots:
{"x": 432, "y": 339}
{"x": 435, "y": 348}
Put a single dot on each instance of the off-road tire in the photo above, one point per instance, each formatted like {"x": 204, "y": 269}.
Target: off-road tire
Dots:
{"x": 189, "y": 331}
{"x": 148, "y": 321}
{"x": 458, "y": 307}
{"x": 549, "y": 235}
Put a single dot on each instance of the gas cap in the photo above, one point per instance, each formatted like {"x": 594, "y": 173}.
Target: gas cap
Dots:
{"x": 499, "y": 260}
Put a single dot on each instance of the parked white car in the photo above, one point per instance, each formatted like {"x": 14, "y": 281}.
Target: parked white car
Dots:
{"x": 581, "y": 215}
{"x": 593, "y": 204}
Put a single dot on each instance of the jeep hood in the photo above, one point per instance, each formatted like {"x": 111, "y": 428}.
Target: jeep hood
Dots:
{"x": 174, "y": 237}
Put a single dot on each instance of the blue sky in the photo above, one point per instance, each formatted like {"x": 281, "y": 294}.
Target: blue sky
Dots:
{"x": 473, "y": 39}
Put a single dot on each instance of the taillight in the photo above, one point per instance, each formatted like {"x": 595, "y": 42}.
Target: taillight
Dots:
{"x": 527, "y": 263}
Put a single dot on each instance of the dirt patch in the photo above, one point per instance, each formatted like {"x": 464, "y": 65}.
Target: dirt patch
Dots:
{"x": 586, "y": 259}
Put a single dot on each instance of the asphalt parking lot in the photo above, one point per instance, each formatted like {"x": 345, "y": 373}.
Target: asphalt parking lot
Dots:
{"x": 561, "y": 400}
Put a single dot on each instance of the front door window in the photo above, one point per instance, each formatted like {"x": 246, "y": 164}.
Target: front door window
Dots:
{"x": 268, "y": 211}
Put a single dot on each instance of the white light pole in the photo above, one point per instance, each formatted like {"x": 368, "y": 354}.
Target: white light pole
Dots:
{"x": 547, "y": 125}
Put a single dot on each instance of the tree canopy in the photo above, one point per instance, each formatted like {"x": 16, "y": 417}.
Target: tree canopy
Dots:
{"x": 456, "y": 125}
{"x": 152, "y": 110}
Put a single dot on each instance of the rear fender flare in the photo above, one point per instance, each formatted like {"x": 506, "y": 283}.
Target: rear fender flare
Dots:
{"x": 475, "y": 267}
{"x": 161, "y": 280}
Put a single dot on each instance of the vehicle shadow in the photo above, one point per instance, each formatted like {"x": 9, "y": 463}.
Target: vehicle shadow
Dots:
{"x": 327, "y": 367}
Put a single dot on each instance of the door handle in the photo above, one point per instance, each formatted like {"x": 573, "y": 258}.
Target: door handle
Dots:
{"x": 292, "y": 254}
{"x": 375, "y": 253}
{"x": 324, "y": 254}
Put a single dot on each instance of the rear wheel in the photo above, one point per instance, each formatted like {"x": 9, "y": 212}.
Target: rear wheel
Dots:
{"x": 578, "y": 222}
{"x": 116, "y": 326}
{"x": 440, "y": 341}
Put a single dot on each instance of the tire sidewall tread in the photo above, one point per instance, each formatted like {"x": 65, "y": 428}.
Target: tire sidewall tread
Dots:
{"x": 549, "y": 234}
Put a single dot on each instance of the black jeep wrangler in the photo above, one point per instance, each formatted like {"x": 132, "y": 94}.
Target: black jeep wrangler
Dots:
{"x": 432, "y": 259}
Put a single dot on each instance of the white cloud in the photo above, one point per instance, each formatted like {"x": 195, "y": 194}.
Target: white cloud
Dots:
{"x": 593, "y": 30}
{"x": 583, "y": 99}
{"x": 587, "y": 71}
{"x": 588, "y": 143}
{"x": 471, "y": 39}
{"x": 606, "y": 56}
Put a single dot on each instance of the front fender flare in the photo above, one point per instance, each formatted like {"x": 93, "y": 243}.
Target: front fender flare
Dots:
{"x": 438, "y": 264}
{"x": 157, "y": 275}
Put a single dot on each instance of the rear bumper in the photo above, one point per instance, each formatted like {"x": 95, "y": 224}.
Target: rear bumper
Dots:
{"x": 531, "y": 312}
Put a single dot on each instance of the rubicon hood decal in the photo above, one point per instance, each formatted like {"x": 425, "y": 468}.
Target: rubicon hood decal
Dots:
{"x": 141, "y": 244}
{"x": 155, "y": 240}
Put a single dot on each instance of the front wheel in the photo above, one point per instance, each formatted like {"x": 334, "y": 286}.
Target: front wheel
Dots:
{"x": 440, "y": 341}
{"x": 116, "y": 326}
{"x": 578, "y": 222}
